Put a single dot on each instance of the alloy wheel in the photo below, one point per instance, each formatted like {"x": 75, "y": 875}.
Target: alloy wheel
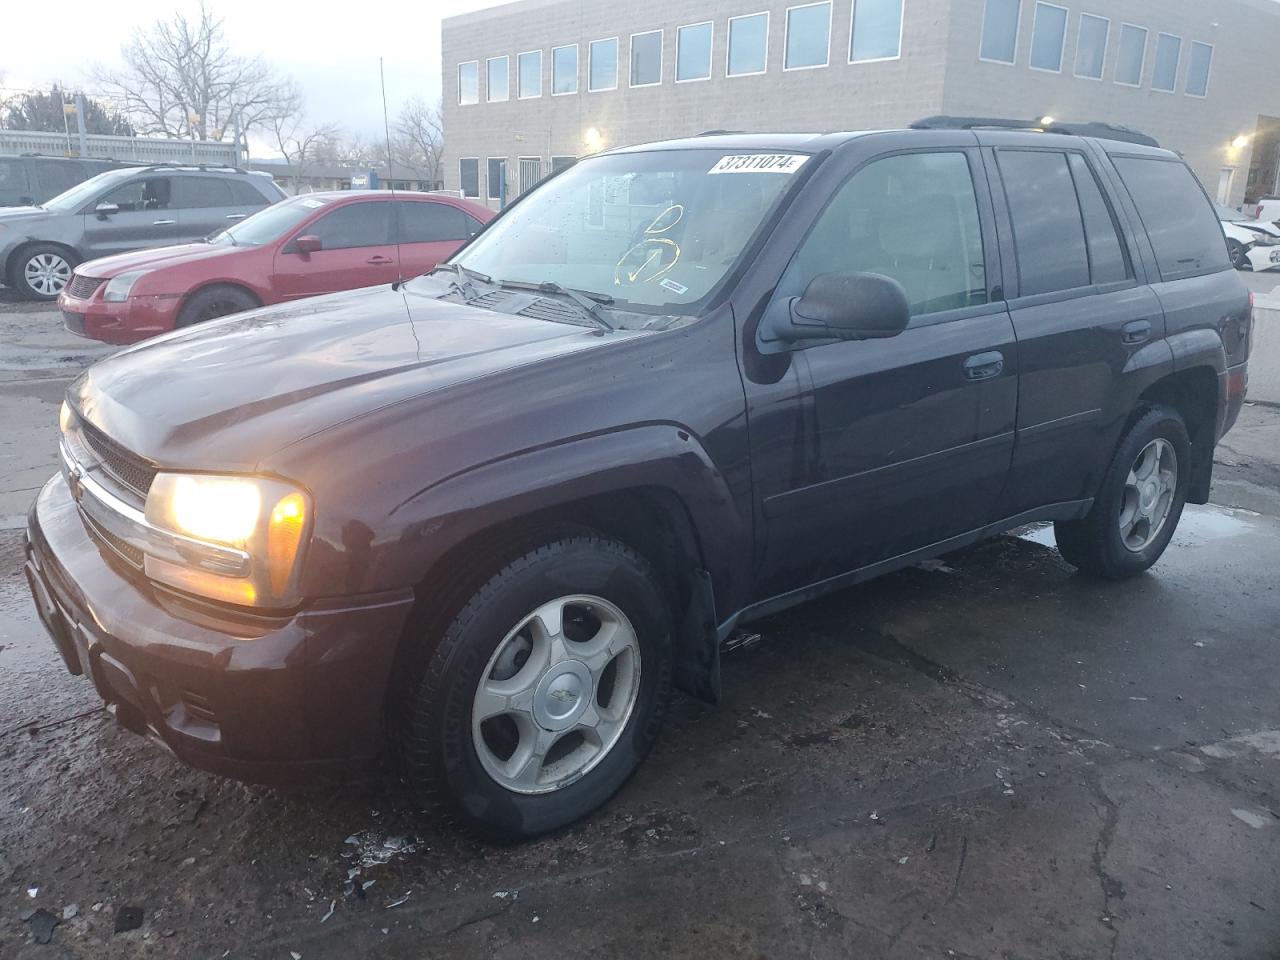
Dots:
{"x": 1148, "y": 494}
{"x": 47, "y": 274}
{"x": 556, "y": 695}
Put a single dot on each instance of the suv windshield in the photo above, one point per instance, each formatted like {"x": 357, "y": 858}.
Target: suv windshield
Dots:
{"x": 657, "y": 230}
{"x": 271, "y": 223}
{"x": 70, "y": 201}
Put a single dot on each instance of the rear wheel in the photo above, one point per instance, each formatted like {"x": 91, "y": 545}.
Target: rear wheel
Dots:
{"x": 545, "y": 692}
{"x": 1239, "y": 255}
{"x": 42, "y": 271}
{"x": 1139, "y": 502}
{"x": 213, "y": 302}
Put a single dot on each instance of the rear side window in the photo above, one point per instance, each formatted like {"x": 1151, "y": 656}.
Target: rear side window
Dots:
{"x": 364, "y": 224}
{"x": 56, "y": 176}
{"x": 245, "y": 195}
{"x": 426, "y": 221}
{"x": 13, "y": 176}
{"x": 196, "y": 192}
{"x": 1183, "y": 228}
{"x": 1047, "y": 227}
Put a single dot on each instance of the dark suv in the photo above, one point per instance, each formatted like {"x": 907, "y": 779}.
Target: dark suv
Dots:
{"x": 490, "y": 516}
{"x": 29, "y": 179}
{"x": 122, "y": 210}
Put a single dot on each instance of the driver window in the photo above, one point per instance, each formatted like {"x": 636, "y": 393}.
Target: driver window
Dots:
{"x": 149, "y": 194}
{"x": 912, "y": 217}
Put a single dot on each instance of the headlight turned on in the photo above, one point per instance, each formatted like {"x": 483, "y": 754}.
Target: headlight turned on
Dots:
{"x": 263, "y": 519}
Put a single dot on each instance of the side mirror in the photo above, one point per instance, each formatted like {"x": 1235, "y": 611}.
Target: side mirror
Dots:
{"x": 104, "y": 210}
{"x": 307, "y": 244}
{"x": 847, "y": 306}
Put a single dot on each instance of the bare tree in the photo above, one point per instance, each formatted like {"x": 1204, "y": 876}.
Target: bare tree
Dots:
{"x": 419, "y": 138}
{"x": 353, "y": 151}
{"x": 301, "y": 143}
{"x": 181, "y": 79}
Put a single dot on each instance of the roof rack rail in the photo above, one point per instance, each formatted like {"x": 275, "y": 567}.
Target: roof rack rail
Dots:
{"x": 175, "y": 165}
{"x": 1101, "y": 131}
{"x": 718, "y": 133}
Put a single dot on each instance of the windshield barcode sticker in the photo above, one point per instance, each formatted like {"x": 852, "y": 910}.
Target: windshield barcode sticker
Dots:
{"x": 760, "y": 163}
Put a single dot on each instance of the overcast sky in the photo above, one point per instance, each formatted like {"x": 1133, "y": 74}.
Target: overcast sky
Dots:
{"x": 330, "y": 48}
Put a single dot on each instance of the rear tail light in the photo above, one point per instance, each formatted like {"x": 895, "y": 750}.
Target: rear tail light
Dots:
{"x": 1237, "y": 382}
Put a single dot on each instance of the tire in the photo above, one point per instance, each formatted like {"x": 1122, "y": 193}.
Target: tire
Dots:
{"x": 41, "y": 271}
{"x": 1098, "y": 544}
{"x": 213, "y": 302}
{"x": 1239, "y": 255}
{"x": 486, "y": 773}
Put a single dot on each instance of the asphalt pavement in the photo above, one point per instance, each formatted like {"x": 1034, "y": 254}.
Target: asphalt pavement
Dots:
{"x": 983, "y": 756}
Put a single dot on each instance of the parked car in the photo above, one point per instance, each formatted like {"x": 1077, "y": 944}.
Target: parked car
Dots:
{"x": 29, "y": 179}
{"x": 122, "y": 210}
{"x": 313, "y": 244}
{"x": 489, "y": 517}
{"x": 1269, "y": 209}
{"x": 1252, "y": 244}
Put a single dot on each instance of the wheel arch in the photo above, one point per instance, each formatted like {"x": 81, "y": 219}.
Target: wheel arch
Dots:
{"x": 1193, "y": 392}
{"x": 210, "y": 284}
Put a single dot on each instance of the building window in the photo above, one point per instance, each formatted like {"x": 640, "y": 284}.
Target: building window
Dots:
{"x": 877, "y": 30}
{"x": 602, "y": 70}
{"x": 1047, "y": 37}
{"x": 748, "y": 45}
{"x": 562, "y": 163}
{"x": 1091, "y": 46}
{"x": 497, "y": 85}
{"x": 808, "y": 36}
{"x": 1000, "y": 22}
{"x": 1198, "y": 69}
{"x": 469, "y": 177}
{"x": 564, "y": 69}
{"x": 1131, "y": 56}
{"x": 646, "y": 59}
{"x": 693, "y": 52}
{"x": 1164, "y": 76}
{"x": 469, "y": 82}
{"x": 497, "y": 174}
{"x": 529, "y": 75}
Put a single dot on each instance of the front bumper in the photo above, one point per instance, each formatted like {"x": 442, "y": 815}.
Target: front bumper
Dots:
{"x": 266, "y": 700}
{"x": 120, "y": 323}
{"x": 1264, "y": 258}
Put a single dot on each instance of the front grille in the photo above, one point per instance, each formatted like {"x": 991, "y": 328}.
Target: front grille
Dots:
{"x": 127, "y": 551}
{"x": 82, "y": 287}
{"x": 130, "y": 470}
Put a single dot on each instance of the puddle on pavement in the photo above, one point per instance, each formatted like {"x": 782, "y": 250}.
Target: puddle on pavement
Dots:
{"x": 1198, "y": 525}
{"x": 1042, "y": 535}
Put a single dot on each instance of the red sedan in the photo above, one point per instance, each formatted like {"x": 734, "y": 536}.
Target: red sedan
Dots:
{"x": 306, "y": 245}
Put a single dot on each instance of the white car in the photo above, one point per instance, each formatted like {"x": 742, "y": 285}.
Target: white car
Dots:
{"x": 1254, "y": 244}
{"x": 1269, "y": 209}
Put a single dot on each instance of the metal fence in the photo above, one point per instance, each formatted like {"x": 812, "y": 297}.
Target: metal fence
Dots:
{"x": 141, "y": 149}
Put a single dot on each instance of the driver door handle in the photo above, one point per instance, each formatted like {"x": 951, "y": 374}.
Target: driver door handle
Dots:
{"x": 379, "y": 260}
{"x": 236, "y": 216}
{"x": 984, "y": 366}
{"x": 162, "y": 223}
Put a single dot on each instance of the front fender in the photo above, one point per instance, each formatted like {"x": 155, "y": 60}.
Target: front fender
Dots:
{"x": 666, "y": 456}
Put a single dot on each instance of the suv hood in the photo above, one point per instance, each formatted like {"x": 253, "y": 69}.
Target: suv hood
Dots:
{"x": 184, "y": 253}
{"x": 226, "y": 394}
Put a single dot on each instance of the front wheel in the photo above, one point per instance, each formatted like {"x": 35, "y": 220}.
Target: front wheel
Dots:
{"x": 545, "y": 692}
{"x": 42, "y": 271}
{"x": 213, "y": 302}
{"x": 1139, "y": 502}
{"x": 1239, "y": 255}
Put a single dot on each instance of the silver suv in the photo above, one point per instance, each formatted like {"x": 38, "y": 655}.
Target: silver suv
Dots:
{"x": 119, "y": 211}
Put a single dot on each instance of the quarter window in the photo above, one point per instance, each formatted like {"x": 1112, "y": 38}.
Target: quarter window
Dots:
{"x": 1184, "y": 230}
{"x": 1168, "y": 53}
{"x": 1131, "y": 55}
{"x": 246, "y": 196}
{"x": 1107, "y": 260}
{"x": 1198, "y": 69}
{"x": 808, "y": 36}
{"x": 912, "y": 217}
{"x": 877, "y": 30}
{"x": 646, "y": 59}
{"x": 693, "y": 51}
{"x": 469, "y": 82}
{"x": 1091, "y": 46}
{"x": 603, "y": 69}
{"x": 196, "y": 192}
{"x": 469, "y": 177}
{"x": 365, "y": 224}
{"x": 1000, "y": 30}
{"x": 497, "y": 82}
{"x": 529, "y": 75}
{"x": 748, "y": 44}
{"x": 1047, "y": 37}
{"x": 564, "y": 69}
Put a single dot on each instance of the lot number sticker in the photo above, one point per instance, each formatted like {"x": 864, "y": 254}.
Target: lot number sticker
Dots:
{"x": 760, "y": 163}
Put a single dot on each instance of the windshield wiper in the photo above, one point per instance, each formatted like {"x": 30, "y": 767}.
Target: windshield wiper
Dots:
{"x": 463, "y": 279}
{"x": 589, "y": 302}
